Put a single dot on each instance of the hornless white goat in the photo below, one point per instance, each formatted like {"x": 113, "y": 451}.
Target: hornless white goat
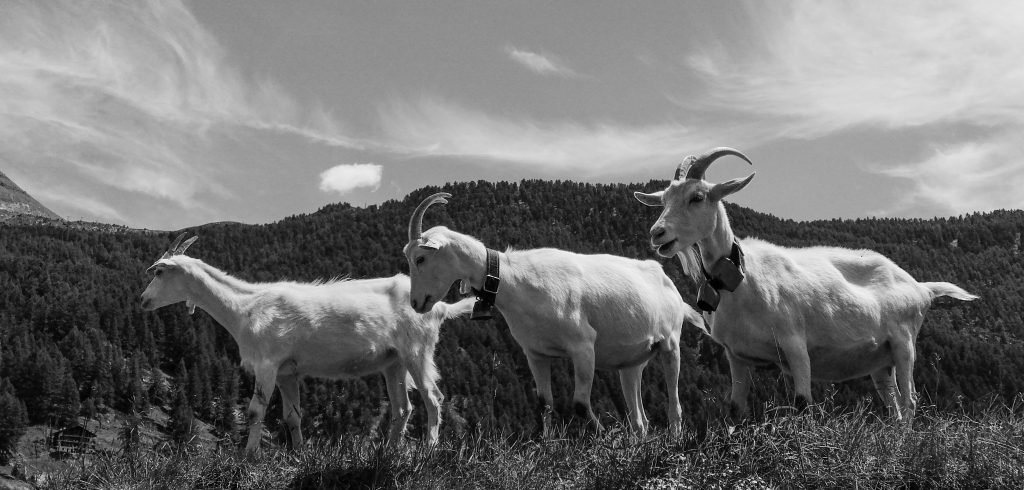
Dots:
{"x": 335, "y": 329}
{"x": 825, "y": 313}
{"x": 601, "y": 311}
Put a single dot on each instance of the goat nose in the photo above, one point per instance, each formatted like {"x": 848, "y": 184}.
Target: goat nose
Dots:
{"x": 657, "y": 231}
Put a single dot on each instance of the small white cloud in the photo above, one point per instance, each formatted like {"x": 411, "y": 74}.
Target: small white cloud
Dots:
{"x": 346, "y": 178}
{"x": 539, "y": 63}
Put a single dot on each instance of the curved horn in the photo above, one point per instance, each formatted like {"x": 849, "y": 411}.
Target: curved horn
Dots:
{"x": 683, "y": 166}
{"x": 704, "y": 161}
{"x": 184, "y": 246}
{"x": 416, "y": 222}
{"x": 174, "y": 246}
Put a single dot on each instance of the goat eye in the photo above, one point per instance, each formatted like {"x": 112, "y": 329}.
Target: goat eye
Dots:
{"x": 420, "y": 259}
{"x": 159, "y": 271}
{"x": 697, "y": 198}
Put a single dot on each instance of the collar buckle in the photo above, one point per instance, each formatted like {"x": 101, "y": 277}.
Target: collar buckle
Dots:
{"x": 491, "y": 283}
{"x": 482, "y": 310}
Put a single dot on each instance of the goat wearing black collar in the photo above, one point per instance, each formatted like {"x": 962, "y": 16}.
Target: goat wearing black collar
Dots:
{"x": 601, "y": 311}
{"x": 824, "y": 313}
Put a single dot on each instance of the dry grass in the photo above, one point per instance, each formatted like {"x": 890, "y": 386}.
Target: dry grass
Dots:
{"x": 813, "y": 450}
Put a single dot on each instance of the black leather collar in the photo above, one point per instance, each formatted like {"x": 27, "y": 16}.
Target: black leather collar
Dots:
{"x": 726, "y": 274}
{"x": 483, "y": 309}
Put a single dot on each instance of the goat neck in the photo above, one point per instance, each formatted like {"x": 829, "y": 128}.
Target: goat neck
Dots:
{"x": 472, "y": 259}
{"x": 719, "y": 242}
{"x": 473, "y": 254}
{"x": 223, "y": 297}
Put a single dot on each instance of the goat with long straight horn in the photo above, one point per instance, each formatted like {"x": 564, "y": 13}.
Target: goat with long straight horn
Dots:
{"x": 824, "y": 313}
{"x": 334, "y": 329}
{"x": 600, "y": 311}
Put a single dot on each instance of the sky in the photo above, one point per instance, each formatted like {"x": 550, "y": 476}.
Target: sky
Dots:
{"x": 169, "y": 114}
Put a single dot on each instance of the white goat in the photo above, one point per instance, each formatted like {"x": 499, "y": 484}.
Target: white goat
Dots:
{"x": 335, "y": 329}
{"x": 825, "y": 313}
{"x": 601, "y": 311}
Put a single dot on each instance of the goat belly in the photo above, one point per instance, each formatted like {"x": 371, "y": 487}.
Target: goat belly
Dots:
{"x": 757, "y": 359}
{"x": 849, "y": 363}
{"x": 350, "y": 367}
{"x": 619, "y": 356}
{"x": 628, "y": 359}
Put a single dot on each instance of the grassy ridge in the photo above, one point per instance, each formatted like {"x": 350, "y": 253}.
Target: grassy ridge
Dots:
{"x": 852, "y": 449}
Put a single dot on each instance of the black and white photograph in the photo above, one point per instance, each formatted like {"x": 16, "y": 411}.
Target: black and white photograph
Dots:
{"x": 511, "y": 244}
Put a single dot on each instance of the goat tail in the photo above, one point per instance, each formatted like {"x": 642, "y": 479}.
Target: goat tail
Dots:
{"x": 446, "y": 311}
{"x": 948, "y": 289}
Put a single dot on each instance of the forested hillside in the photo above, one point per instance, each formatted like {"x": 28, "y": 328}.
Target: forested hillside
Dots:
{"x": 73, "y": 339}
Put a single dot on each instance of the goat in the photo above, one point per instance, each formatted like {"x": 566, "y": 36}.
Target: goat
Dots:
{"x": 335, "y": 329}
{"x": 601, "y": 311}
{"x": 824, "y": 313}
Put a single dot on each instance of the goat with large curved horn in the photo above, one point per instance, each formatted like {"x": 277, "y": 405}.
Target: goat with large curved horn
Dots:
{"x": 800, "y": 309}
{"x": 416, "y": 222}
{"x": 696, "y": 166}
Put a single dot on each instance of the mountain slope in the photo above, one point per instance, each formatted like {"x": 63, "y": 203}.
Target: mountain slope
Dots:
{"x": 69, "y": 307}
{"x": 15, "y": 201}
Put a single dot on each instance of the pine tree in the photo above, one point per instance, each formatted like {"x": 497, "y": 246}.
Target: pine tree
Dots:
{"x": 129, "y": 434}
{"x": 227, "y": 397}
{"x": 182, "y": 424}
{"x": 13, "y": 420}
{"x": 66, "y": 403}
{"x": 136, "y": 394}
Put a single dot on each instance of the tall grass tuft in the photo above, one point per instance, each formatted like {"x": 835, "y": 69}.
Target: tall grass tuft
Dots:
{"x": 815, "y": 449}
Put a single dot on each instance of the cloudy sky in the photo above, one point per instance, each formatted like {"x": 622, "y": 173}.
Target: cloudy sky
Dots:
{"x": 166, "y": 114}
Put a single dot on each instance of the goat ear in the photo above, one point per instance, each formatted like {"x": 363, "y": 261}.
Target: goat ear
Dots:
{"x": 431, "y": 244}
{"x": 652, "y": 199}
{"x": 725, "y": 188}
{"x": 156, "y": 266}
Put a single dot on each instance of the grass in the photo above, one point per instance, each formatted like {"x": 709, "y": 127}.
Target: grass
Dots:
{"x": 851, "y": 449}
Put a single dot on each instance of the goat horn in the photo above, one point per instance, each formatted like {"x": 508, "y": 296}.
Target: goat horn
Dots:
{"x": 174, "y": 246}
{"x": 416, "y": 222}
{"x": 683, "y": 166}
{"x": 701, "y": 163}
{"x": 184, "y": 246}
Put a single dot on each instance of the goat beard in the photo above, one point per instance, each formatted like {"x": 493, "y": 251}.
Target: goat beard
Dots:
{"x": 690, "y": 260}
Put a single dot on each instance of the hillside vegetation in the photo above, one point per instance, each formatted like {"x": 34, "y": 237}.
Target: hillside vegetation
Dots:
{"x": 833, "y": 450}
{"x": 74, "y": 342}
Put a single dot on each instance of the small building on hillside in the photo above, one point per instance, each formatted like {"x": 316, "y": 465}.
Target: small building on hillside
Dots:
{"x": 73, "y": 439}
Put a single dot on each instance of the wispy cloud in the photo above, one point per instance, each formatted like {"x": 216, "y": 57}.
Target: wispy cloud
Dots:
{"x": 130, "y": 97}
{"x": 343, "y": 179}
{"x": 433, "y": 127}
{"x": 826, "y": 66}
{"x": 813, "y": 69}
{"x": 542, "y": 64}
{"x": 88, "y": 208}
{"x": 958, "y": 179}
